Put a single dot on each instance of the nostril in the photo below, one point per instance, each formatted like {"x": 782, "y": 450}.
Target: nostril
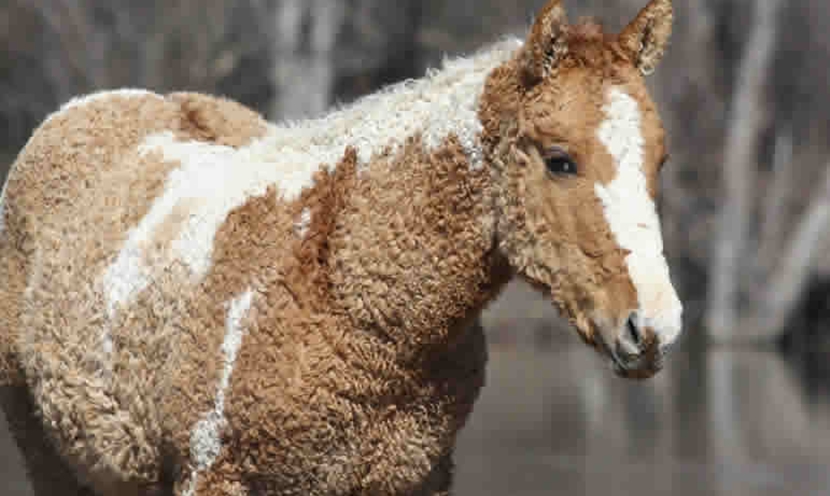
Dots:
{"x": 633, "y": 331}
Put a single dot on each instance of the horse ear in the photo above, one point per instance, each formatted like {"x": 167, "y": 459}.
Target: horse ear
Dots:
{"x": 646, "y": 38}
{"x": 545, "y": 44}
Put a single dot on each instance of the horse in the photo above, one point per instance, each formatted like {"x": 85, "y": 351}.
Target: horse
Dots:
{"x": 199, "y": 302}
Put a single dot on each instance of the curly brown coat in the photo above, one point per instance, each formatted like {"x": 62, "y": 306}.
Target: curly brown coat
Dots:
{"x": 197, "y": 302}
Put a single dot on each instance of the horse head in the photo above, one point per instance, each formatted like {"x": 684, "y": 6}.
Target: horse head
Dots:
{"x": 577, "y": 145}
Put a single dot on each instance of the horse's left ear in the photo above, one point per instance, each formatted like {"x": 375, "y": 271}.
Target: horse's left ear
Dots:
{"x": 646, "y": 38}
{"x": 545, "y": 44}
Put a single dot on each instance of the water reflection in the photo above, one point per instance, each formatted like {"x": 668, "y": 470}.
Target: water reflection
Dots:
{"x": 11, "y": 471}
{"x": 558, "y": 422}
{"x": 728, "y": 422}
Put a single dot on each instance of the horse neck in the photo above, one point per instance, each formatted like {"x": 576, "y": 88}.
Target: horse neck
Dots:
{"x": 413, "y": 257}
{"x": 406, "y": 213}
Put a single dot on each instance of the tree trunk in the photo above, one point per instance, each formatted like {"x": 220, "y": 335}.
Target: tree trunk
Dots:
{"x": 781, "y": 293}
{"x": 747, "y": 121}
{"x": 304, "y": 58}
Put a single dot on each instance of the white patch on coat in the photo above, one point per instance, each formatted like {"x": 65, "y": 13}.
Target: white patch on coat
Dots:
{"x": 107, "y": 346}
{"x": 632, "y": 217}
{"x": 205, "y": 439}
{"x": 442, "y": 103}
{"x": 302, "y": 224}
{"x": 213, "y": 180}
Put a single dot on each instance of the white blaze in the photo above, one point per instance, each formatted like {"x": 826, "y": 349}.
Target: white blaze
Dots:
{"x": 632, "y": 217}
{"x": 205, "y": 440}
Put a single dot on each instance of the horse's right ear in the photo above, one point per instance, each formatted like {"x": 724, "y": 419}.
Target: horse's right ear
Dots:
{"x": 645, "y": 39}
{"x": 545, "y": 44}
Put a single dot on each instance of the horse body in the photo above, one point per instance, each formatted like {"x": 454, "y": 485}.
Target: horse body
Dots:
{"x": 203, "y": 303}
{"x": 204, "y": 245}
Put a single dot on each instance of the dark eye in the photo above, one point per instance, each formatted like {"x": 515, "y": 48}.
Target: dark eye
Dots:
{"x": 560, "y": 163}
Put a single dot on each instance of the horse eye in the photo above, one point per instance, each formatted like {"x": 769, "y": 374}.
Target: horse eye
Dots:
{"x": 560, "y": 163}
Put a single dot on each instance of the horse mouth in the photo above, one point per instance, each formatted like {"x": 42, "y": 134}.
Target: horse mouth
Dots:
{"x": 642, "y": 361}
{"x": 642, "y": 365}
{"x": 637, "y": 373}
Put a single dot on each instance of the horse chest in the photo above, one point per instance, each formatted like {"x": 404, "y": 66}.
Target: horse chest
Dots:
{"x": 299, "y": 420}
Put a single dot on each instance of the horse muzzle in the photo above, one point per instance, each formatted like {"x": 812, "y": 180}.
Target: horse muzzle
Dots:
{"x": 638, "y": 347}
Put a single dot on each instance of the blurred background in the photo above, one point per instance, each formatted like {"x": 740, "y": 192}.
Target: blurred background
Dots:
{"x": 742, "y": 408}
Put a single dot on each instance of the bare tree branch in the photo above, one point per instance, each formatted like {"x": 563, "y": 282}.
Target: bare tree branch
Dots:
{"x": 694, "y": 78}
{"x": 774, "y": 217}
{"x": 304, "y": 75}
{"x": 787, "y": 284}
{"x": 739, "y": 169}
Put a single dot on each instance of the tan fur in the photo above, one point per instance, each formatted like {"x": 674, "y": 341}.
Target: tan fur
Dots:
{"x": 317, "y": 406}
{"x": 356, "y": 363}
{"x": 366, "y": 389}
{"x": 56, "y": 223}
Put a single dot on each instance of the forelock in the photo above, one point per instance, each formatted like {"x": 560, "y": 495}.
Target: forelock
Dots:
{"x": 589, "y": 45}
{"x": 586, "y": 29}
